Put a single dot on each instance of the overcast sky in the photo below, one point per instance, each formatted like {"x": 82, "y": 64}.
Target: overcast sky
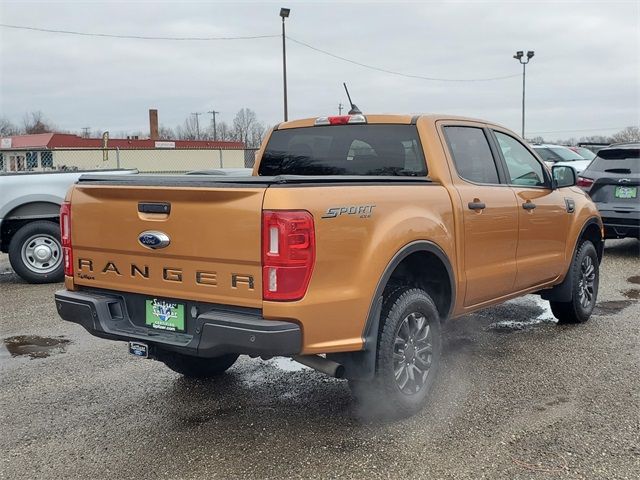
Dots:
{"x": 583, "y": 80}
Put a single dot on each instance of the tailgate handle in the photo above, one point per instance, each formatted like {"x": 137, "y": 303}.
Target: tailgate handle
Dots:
{"x": 154, "y": 207}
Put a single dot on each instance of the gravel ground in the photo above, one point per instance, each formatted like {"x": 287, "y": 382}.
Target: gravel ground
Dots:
{"x": 519, "y": 397}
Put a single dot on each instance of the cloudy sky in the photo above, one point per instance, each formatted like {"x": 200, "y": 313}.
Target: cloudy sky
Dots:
{"x": 583, "y": 80}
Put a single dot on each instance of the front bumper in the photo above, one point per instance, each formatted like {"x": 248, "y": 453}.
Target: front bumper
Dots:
{"x": 211, "y": 332}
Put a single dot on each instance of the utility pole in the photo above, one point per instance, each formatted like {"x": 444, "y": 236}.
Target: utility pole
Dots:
{"x": 284, "y": 13}
{"x": 197, "y": 115}
{"x": 85, "y": 132}
{"x": 520, "y": 57}
{"x": 213, "y": 116}
{"x": 340, "y": 107}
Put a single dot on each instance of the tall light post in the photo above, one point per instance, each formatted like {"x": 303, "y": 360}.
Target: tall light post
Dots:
{"x": 284, "y": 13}
{"x": 521, "y": 58}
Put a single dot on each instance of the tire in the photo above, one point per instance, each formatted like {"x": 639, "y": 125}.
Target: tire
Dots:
{"x": 391, "y": 395}
{"x": 585, "y": 279}
{"x": 35, "y": 252}
{"x": 197, "y": 367}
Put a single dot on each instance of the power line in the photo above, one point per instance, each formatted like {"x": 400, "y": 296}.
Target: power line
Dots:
{"x": 400, "y": 74}
{"x": 134, "y": 37}
{"x": 254, "y": 37}
{"x": 582, "y": 130}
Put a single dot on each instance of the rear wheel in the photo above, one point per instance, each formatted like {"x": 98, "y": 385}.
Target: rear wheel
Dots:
{"x": 408, "y": 355}
{"x": 585, "y": 278}
{"x": 35, "y": 252}
{"x": 197, "y": 367}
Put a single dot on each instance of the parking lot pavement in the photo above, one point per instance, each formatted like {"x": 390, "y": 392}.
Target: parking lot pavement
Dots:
{"x": 519, "y": 397}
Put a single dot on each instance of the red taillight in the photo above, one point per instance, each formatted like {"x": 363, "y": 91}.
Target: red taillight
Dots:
{"x": 65, "y": 237}
{"x": 584, "y": 182}
{"x": 288, "y": 253}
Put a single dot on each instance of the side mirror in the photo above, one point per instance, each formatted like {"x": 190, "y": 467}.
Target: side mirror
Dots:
{"x": 563, "y": 176}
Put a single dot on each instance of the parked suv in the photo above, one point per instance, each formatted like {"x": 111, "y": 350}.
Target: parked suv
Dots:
{"x": 612, "y": 181}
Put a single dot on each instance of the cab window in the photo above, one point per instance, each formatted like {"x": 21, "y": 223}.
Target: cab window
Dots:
{"x": 471, "y": 154}
{"x": 522, "y": 167}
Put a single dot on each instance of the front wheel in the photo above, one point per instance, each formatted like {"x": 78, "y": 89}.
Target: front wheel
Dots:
{"x": 35, "y": 252}
{"x": 197, "y": 367}
{"x": 408, "y": 355}
{"x": 585, "y": 276}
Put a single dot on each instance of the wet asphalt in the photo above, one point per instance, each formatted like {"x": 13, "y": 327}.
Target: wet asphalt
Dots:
{"x": 519, "y": 397}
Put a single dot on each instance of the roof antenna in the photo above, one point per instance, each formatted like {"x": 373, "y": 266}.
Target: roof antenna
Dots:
{"x": 354, "y": 109}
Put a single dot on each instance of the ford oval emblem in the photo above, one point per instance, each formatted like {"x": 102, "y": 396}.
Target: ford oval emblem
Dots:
{"x": 153, "y": 239}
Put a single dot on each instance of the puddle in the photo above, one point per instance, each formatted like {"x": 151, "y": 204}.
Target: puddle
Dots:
{"x": 34, "y": 346}
{"x": 632, "y": 293}
{"x": 634, "y": 279}
{"x": 508, "y": 326}
{"x": 611, "y": 307}
{"x": 544, "y": 315}
{"x": 286, "y": 364}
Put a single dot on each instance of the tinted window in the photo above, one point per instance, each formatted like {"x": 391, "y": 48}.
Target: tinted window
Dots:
{"x": 617, "y": 160}
{"x": 523, "y": 168}
{"x": 471, "y": 154}
{"x": 344, "y": 150}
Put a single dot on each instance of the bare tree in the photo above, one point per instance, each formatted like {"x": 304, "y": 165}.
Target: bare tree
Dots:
{"x": 34, "y": 122}
{"x": 256, "y": 135}
{"x": 595, "y": 139}
{"x": 188, "y": 130}
{"x": 7, "y": 128}
{"x": 629, "y": 134}
{"x": 166, "y": 133}
{"x": 224, "y": 132}
{"x": 243, "y": 124}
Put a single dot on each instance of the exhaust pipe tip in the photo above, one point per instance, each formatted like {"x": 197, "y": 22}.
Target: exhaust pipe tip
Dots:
{"x": 321, "y": 364}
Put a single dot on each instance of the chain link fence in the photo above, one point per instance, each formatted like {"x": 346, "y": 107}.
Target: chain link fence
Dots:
{"x": 151, "y": 160}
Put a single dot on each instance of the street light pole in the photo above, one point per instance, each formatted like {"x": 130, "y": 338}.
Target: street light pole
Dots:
{"x": 521, "y": 58}
{"x": 284, "y": 13}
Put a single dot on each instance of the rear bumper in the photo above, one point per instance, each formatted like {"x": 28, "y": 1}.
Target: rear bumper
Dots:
{"x": 620, "y": 224}
{"x": 214, "y": 332}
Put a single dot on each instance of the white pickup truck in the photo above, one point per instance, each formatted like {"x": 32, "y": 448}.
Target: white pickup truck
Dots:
{"x": 29, "y": 231}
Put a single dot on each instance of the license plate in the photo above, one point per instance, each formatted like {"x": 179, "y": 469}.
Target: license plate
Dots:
{"x": 139, "y": 349}
{"x": 164, "y": 315}
{"x": 626, "y": 192}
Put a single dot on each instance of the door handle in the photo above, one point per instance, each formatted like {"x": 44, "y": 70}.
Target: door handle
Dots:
{"x": 476, "y": 205}
{"x": 528, "y": 205}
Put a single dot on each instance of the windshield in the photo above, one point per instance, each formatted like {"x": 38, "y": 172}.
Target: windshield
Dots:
{"x": 566, "y": 154}
{"x": 584, "y": 153}
{"x": 379, "y": 149}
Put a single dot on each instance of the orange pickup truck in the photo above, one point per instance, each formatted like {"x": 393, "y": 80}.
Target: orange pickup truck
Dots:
{"x": 355, "y": 238}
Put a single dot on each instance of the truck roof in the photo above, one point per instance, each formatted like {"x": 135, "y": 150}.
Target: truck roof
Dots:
{"x": 385, "y": 118}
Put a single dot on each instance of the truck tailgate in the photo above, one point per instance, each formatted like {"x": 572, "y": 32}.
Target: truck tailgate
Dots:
{"x": 213, "y": 253}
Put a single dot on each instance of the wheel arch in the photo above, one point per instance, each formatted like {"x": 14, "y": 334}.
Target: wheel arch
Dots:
{"x": 24, "y": 212}
{"x": 404, "y": 264}
{"x": 591, "y": 230}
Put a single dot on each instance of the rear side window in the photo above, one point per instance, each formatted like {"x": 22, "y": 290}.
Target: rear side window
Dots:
{"x": 344, "y": 150}
{"x": 617, "y": 160}
{"x": 471, "y": 154}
